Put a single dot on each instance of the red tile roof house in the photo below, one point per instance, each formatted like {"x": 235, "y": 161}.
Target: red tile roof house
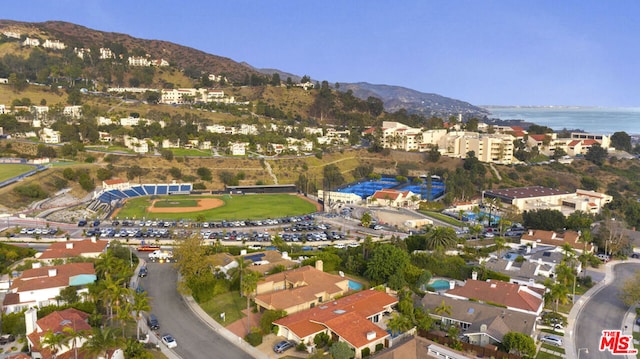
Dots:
{"x": 350, "y": 319}
{"x": 393, "y": 198}
{"x": 88, "y": 248}
{"x": 55, "y": 323}
{"x": 515, "y": 297}
{"x": 40, "y": 286}
{"x": 536, "y": 237}
{"x": 299, "y": 289}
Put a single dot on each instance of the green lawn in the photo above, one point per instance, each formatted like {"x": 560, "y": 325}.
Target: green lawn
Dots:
{"x": 553, "y": 348}
{"x": 231, "y": 304}
{"x": 10, "y": 170}
{"x": 190, "y": 152}
{"x": 545, "y": 355}
{"x": 443, "y": 217}
{"x": 239, "y": 207}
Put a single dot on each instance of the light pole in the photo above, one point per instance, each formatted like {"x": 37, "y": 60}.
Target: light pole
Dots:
{"x": 586, "y": 351}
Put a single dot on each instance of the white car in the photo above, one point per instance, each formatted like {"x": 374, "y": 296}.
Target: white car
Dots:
{"x": 169, "y": 341}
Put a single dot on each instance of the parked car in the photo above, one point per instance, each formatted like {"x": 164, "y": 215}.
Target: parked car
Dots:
{"x": 7, "y": 338}
{"x": 282, "y": 346}
{"x": 552, "y": 339}
{"x": 152, "y": 322}
{"x": 169, "y": 341}
{"x": 604, "y": 257}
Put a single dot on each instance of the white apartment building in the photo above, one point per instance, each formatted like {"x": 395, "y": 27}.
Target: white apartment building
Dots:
{"x": 106, "y": 53}
{"x": 72, "y": 111}
{"x": 496, "y": 148}
{"x": 11, "y": 34}
{"x": 239, "y": 148}
{"x": 603, "y": 140}
{"x": 31, "y": 42}
{"x": 246, "y": 129}
{"x": 132, "y": 121}
{"x": 136, "y": 145}
{"x": 54, "y": 45}
{"x": 104, "y": 121}
{"x": 49, "y": 136}
{"x": 138, "y": 61}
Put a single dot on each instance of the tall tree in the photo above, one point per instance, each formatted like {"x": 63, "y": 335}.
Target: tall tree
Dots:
{"x": 441, "y": 238}
{"x": 100, "y": 341}
{"x": 386, "y": 261}
{"x": 621, "y": 141}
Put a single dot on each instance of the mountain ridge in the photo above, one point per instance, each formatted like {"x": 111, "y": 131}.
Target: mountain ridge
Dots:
{"x": 394, "y": 98}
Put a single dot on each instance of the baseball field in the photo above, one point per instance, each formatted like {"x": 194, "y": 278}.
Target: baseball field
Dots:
{"x": 215, "y": 208}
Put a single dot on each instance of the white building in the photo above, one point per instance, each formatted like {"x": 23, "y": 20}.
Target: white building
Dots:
{"x": 72, "y": 111}
{"x": 49, "y": 136}
{"x": 31, "y": 42}
{"x": 138, "y": 61}
{"x": 54, "y": 45}
{"x": 40, "y": 286}
{"x": 136, "y": 145}
{"x": 238, "y": 148}
{"x": 106, "y": 53}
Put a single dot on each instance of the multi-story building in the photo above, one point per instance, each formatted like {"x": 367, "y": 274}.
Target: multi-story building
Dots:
{"x": 49, "y": 136}
{"x": 106, "y": 53}
{"x": 54, "y": 45}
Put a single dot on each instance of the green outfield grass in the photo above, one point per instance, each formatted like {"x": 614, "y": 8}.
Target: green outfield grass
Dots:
{"x": 237, "y": 207}
{"x": 10, "y": 170}
{"x": 175, "y": 203}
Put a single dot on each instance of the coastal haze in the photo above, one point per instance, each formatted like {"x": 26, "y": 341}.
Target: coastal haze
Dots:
{"x": 588, "y": 119}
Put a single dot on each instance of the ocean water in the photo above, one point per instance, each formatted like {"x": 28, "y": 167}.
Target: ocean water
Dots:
{"x": 601, "y": 120}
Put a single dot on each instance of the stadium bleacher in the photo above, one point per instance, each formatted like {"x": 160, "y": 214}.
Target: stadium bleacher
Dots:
{"x": 144, "y": 190}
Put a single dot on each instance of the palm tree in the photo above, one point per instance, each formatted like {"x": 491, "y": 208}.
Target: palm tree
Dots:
{"x": 399, "y": 323}
{"x": 441, "y": 238}
{"x": 568, "y": 250}
{"x": 501, "y": 244}
{"x": 123, "y": 313}
{"x": 54, "y": 340}
{"x": 140, "y": 304}
{"x": 443, "y": 308}
{"x": 100, "y": 341}
{"x": 73, "y": 336}
{"x": 248, "y": 286}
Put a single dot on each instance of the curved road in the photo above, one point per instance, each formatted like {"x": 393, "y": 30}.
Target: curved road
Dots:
{"x": 603, "y": 310}
{"x": 195, "y": 338}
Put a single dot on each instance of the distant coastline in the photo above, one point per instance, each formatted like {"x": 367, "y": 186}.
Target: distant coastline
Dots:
{"x": 590, "y": 119}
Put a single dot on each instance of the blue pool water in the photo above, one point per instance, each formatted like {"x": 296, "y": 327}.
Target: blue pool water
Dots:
{"x": 353, "y": 285}
{"x": 440, "y": 284}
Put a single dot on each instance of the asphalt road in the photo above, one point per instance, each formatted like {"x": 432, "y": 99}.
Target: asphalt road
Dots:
{"x": 195, "y": 339}
{"x": 603, "y": 311}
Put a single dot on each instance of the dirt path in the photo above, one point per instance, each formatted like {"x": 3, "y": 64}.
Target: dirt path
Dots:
{"x": 270, "y": 171}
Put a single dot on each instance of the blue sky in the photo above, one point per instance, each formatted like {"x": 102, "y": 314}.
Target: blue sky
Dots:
{"x": 484, "y": 52}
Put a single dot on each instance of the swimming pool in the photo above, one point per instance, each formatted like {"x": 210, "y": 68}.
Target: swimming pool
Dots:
{"x": 353, "y": 285}
{"x": 440, "y": 284}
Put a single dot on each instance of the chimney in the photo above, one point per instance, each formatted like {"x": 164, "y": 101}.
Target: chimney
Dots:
{"x": 93, "y": 239}
{"x": 371, "y": 335}
{"x": 530, "y": 232}
{"x": 30, "y": 318}
{"x": 494, "y": 285}
{"x": 53, "y": 272}
{"x": 36, "y": 265}
{"x": 69, "y": 245}
{"x": 553, "y": 235}
{"x": 320, "y": 265}
{"x": 474, "y": 275}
